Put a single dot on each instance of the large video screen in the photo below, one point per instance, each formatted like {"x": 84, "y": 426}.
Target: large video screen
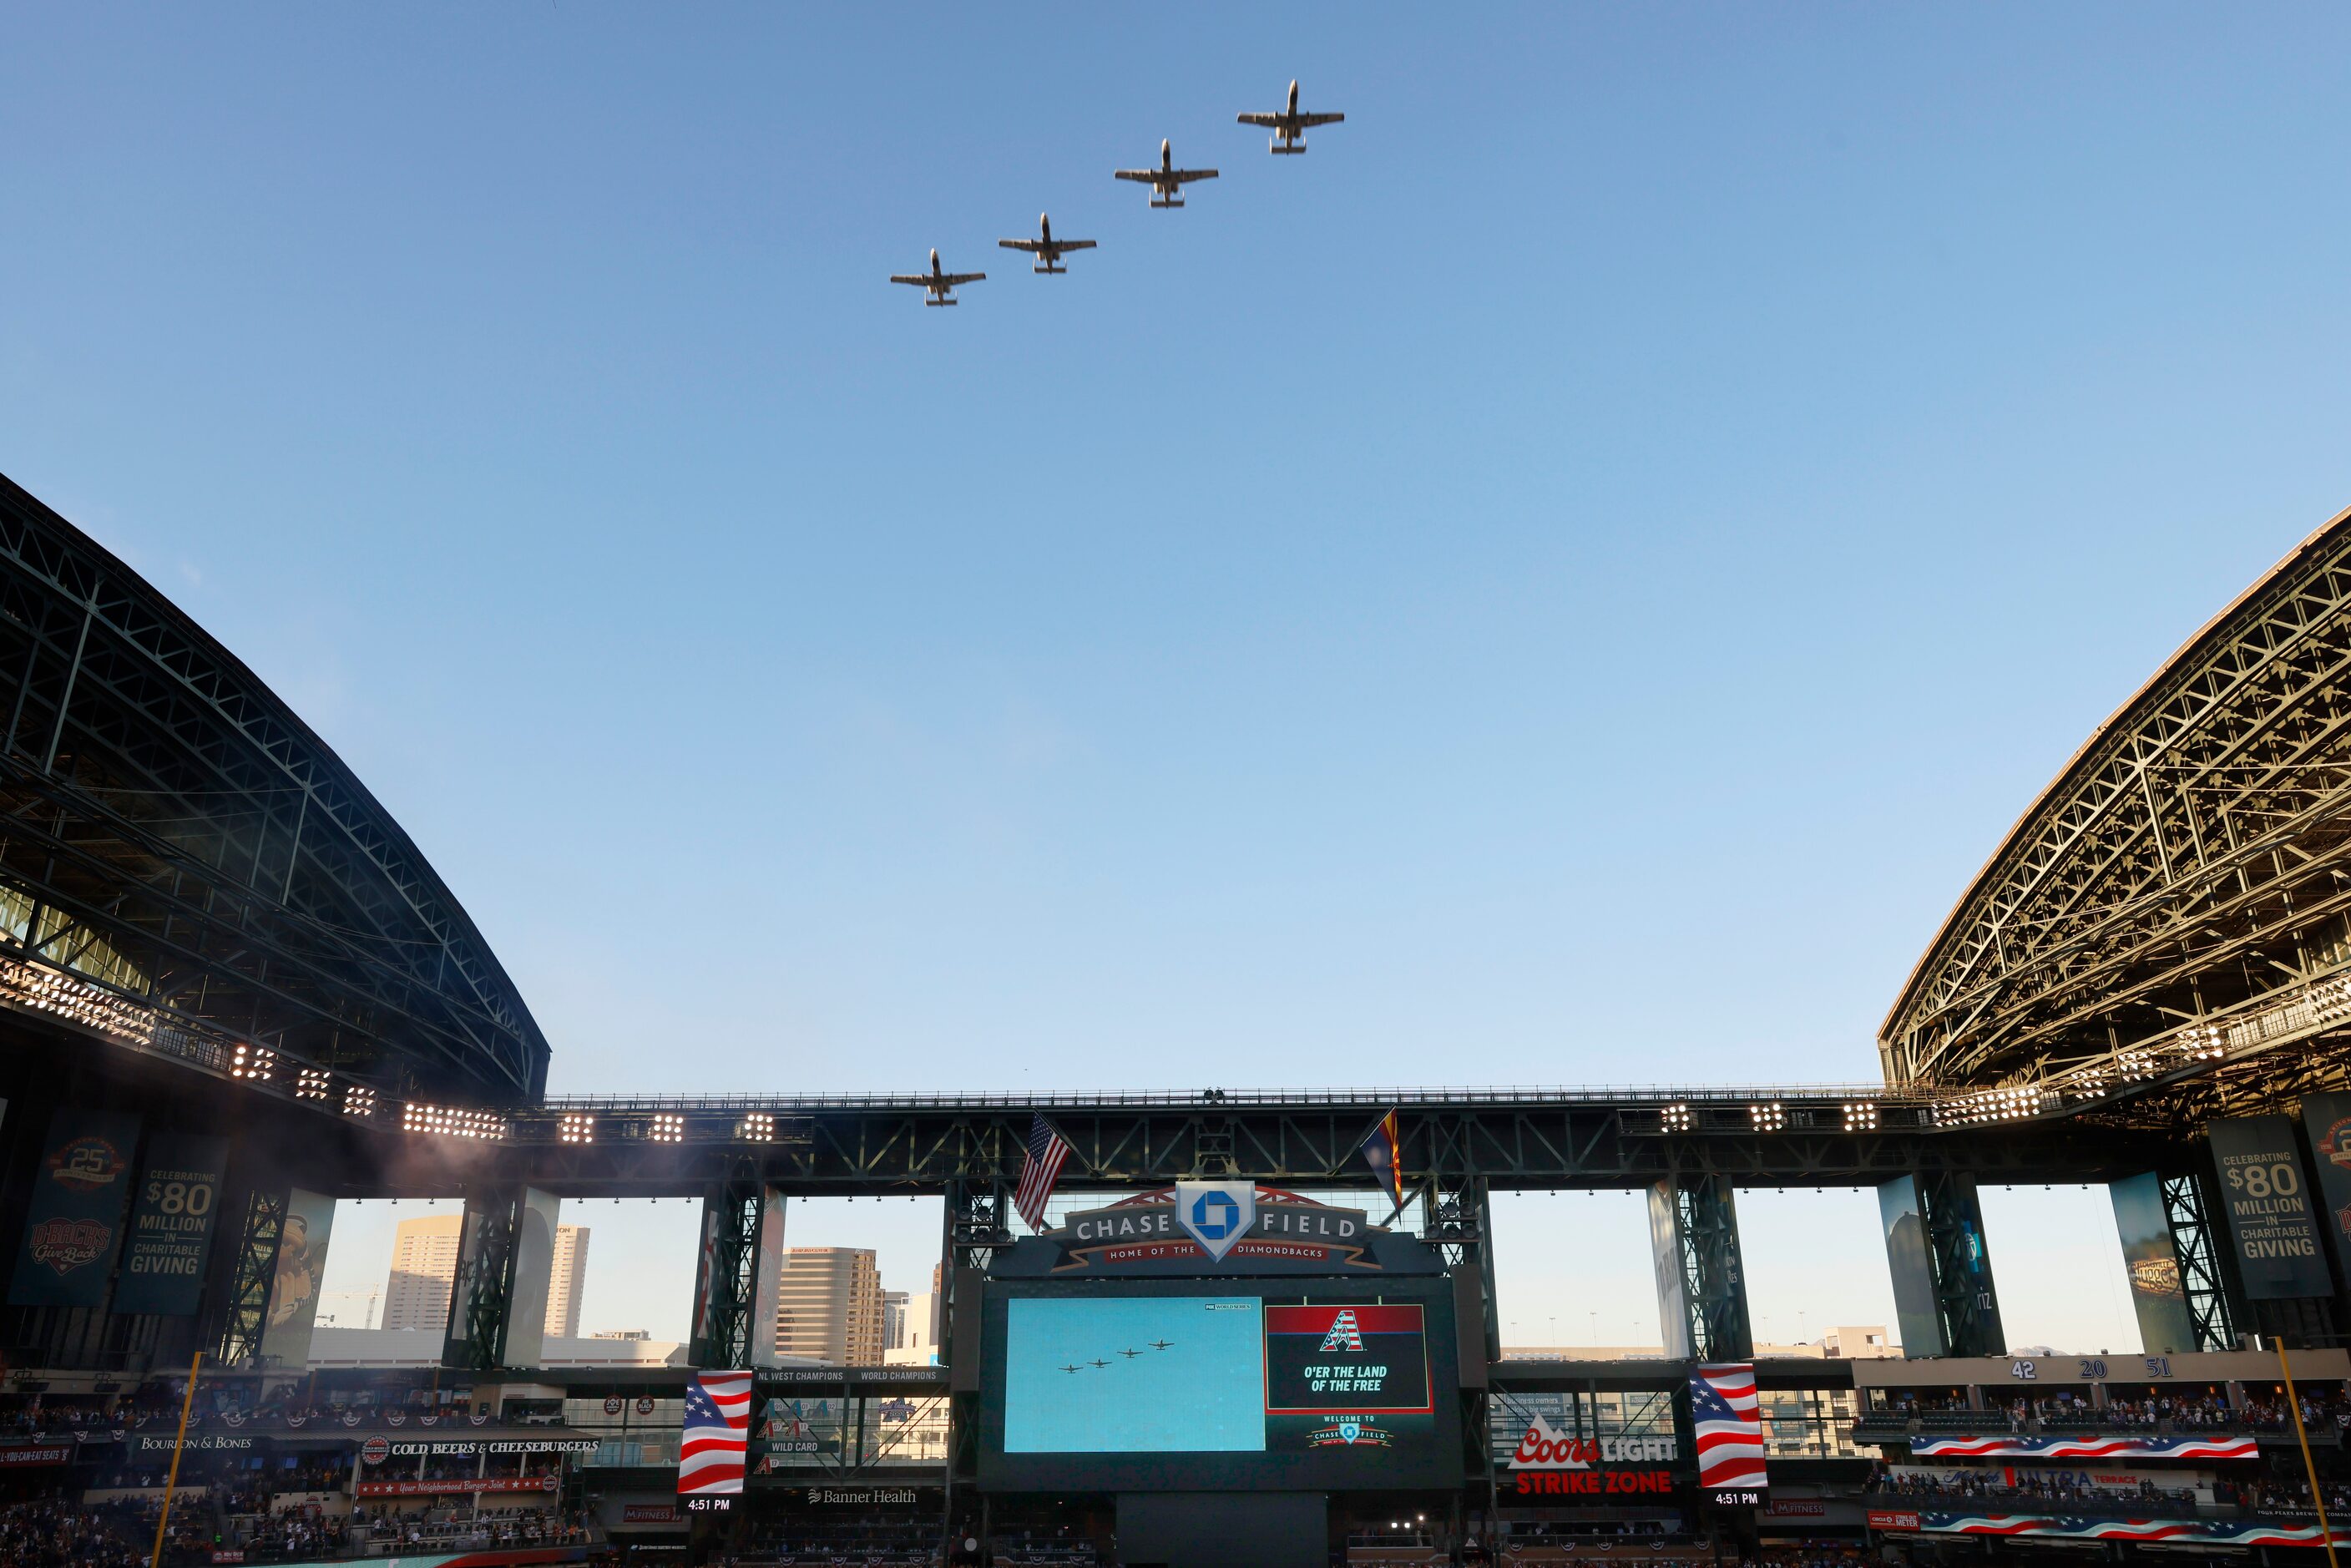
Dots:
{"x": 1196, "y": 1386}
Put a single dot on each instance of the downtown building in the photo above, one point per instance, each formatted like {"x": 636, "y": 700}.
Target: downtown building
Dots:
{"x": 830, "y": 1307}
{"x": 424, "y": 1275}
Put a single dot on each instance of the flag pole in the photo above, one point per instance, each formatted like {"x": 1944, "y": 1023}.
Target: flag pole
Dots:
{"x": 179, "y": 1441}
{"x": 2309, "y": 1465}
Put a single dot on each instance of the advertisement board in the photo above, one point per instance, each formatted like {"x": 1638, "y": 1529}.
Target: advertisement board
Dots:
{"x": 172, "y": 1213}
{"x": 74, "y": 1227}
{"x": 2326, "y": 1119}
{"x": 1548, "y": 1466}
{"x": 1218, "y": 1385}
{"x": 2267, "y": 1200}
{"x": 2152, "y": 1264}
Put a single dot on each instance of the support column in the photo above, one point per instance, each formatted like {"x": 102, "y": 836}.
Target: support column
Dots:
{"x": 482, "y": 1295}
{"x": 1943, "y": 1295}
{"x": 726, "y": 1277}
{"x": 252, "y": 1260}
{"x": 1701, "y": 1282}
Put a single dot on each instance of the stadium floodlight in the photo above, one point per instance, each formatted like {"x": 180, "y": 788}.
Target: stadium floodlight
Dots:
{"x": 577, "y": 1127}
{"x": 668, "y": 1128}
{"x": 1678, "y": 1117}
{"x": 359, "y": 1100}
{"x": 2203, "y": 1042}
{"x": 310, "y": 1083}
{"x": 1861, "y": 1116}
{"x": 252, "y": 1062}
{"x": 756, "y": 1127}
{"x": 451, "y": 1122}
{"x": 1768, "y": 1115}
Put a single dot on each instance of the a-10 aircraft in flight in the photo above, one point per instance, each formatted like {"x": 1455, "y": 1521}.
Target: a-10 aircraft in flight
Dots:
{"x": 1045, "y": 248}
{"x": 940, "y": 286}
{"x": 1289, "y": 126}
{"x": 1167, "y": 179}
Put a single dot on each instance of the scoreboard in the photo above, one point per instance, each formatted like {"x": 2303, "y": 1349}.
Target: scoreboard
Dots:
{"x": 1209, "y": 1384}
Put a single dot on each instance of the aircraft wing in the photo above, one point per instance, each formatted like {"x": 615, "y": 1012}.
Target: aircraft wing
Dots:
{"x": 958, "y": 279}
{"x": 919, "y": 279}
{"x": 1266, "y": 119}
{"x": 1185, "y": 176}
{"x": 1146, "y": 175}
{"x": 1312, "y": 119}
{"x": 1031, "y": 246}
{"x": 1073, "y": 244}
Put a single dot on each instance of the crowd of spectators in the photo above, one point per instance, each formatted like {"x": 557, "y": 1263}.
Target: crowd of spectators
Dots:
{"x": 2040, "y": 1486}
{"x": 50, "y": 1533}
{"x": 448, "y": 1530}
{"x": 2204, "y": 1412}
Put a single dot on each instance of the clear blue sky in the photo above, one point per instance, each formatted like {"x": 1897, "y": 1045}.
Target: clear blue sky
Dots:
{"x": 1564, "y": 582}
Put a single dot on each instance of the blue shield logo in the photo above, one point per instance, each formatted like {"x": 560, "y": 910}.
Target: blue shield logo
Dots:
{"x": 1216, "y": 1214}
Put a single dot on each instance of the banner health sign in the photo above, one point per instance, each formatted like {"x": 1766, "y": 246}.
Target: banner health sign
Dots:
{"x": 74, "y": 1228}
{"x": 172, "y": 1225}
{"x": 2327, "y": 1119}
{"x": 2269, "y": 1208}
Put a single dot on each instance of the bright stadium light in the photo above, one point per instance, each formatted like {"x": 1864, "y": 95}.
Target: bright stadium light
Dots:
{"x": 1676, "y": 1117}
{"x": 1769, "y": 1117}
{"x": 449, "y": 1122}
{"x": 310, "y": 1084}
{"x": 253, "y": 1061}
{"x": 668, "y": 1128}
{"x": 577, "y": 1127}
{"x": 359, "y": 1100}
{"x": 2203, "y": 1042}
{"x": 756, "y": 1127}
{"x": 1861, "y": 1116}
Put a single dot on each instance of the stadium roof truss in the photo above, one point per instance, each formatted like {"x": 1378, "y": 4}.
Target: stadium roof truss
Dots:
{"x": 186, "y": 868}
{"x": 2170, "y": 924}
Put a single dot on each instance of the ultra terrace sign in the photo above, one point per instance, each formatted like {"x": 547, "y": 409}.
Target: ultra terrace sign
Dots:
{"x": 1215, "y": 1220}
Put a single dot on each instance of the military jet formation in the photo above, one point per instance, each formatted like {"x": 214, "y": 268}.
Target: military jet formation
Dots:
{"x": 1288, "y": 125}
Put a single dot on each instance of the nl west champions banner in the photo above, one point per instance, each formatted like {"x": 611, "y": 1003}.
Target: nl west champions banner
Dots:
{"x": 74, "y": 1227}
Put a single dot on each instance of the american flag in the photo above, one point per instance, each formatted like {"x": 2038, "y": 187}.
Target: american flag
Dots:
{"x": 1728, "y": 1423}
{"x": 1048, "y": 1153}
{"x": 711, "y": 1449}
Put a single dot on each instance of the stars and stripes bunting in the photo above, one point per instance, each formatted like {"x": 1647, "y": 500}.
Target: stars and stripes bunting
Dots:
{"x": 1048, "y": 1153}
{"x": 718, "y": 1434}
{"x": 1728, "y": 1420}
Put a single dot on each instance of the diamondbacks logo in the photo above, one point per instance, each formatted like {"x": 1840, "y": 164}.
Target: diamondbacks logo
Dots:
{"x": 66, "y": 1244}
{"x": 87, "y": 1164}
{"x": 1343, "y": 1335}
{"x": 1350, "y": 1434}
{"x": 2335, "y": 1146}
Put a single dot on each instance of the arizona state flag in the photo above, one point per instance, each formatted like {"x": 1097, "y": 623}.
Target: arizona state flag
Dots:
{"x": 1383, "y": 1152}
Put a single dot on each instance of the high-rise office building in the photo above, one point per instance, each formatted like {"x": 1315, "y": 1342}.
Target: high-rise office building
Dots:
{"x": 894, "y": 1320}
{"x": 424, "y": 1275}
{"x": 829, "y": 1306}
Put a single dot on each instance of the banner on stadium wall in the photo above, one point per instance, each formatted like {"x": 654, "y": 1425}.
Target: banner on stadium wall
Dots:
{"x": 466, "y": 1486}
{"x": 2152, "y": 1263}
{"x": 301, "y": 1265}
{"x": 73, "y": 1227}
{"x": 2066, "y": 1527}
{"x": 1916, "y": 1320}
{"x": 2327, "y": 1118}
{"x": 1727, "y": 1420}
{"x": 2268, "y": 1202}
{"x": 172, "y": 1219}
{"x": 2021, "y": 1447}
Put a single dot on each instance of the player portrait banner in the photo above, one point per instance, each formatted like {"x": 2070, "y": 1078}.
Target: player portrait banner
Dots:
{"x": 1726, "y": 1419}
{"x": 2158, "y": 1297}
{"x": 294, "y": 1289}
{"x": 172, "y": 1218}
{"x": 716, "y": 1434}
{"x": 2271, "y": 1223}
{"x": 74, "y": 1227}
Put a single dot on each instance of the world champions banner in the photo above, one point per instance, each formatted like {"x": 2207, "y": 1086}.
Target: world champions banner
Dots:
{"x": 73, "y": 1227}
{"x": 172, "y": 1220}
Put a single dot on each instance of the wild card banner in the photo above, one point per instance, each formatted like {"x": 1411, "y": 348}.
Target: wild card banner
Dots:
{"x": 74, "y": 1227}
{"x": 172, "y": 1220}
